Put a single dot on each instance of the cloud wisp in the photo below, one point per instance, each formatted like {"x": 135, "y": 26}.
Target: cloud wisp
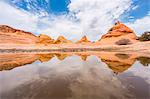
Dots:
{"x": 85, "y": 17}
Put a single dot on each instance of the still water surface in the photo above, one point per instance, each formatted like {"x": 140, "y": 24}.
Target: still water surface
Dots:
{"x": 80, "y": 76}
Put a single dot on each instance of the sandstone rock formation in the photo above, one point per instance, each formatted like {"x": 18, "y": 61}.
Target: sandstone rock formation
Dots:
{"x": 44, "y": 39}
{"x": 83, "y": 40}
{"x": 119, "y": 32}
{"x": 9, "y": 35}
{"x": 61, "y": 40}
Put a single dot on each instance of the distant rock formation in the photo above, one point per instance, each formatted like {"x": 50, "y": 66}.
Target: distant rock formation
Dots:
{"x": 61, "y": 40}
{"x": 83, "y": 40}
{"x": 119, "y": 32}
{"x": 44, "y": 39}
{"x": 9, "y": 35}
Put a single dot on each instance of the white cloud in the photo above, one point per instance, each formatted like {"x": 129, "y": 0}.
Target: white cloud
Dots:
{"x": 86, "y": 17}
{"x": 17, "y": 18}
{"x": 96, "y": 16}
{"x": 140, "y": 25}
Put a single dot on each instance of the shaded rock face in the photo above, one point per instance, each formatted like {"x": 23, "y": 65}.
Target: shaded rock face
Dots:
{"x": 83, "y": 40}
{"x": 117, "y": 32}
{"x": 9, "y": 35}
{"x": 44, "y": 39}
{"x": 61, "y": 40}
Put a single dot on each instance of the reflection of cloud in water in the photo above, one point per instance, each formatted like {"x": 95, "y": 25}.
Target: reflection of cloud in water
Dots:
{"x": 70, "y": 78}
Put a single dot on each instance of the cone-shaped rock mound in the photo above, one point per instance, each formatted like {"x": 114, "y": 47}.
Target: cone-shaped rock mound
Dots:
{"x": 61, "y": 40}
{"x": 44, "y": 39}
{"x": 119, "y": 34}
{"x": 83, "y": 40}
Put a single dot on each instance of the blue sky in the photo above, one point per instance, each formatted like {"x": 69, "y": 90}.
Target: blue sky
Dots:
{"x": 75, "y": 18}
{"x": 140, "y": 7}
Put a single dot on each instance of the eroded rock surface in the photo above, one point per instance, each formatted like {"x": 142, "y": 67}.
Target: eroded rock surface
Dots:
{"x": 44, "y": 39}
{"x": 119, "y": 32}
{"x": 83, "y": 40}
{"x": 10, "y": 35}
{"x": 61, "y": 40}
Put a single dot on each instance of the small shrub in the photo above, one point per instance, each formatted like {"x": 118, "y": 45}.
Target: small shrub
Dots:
{"x": 144, "y": 60}
{"x": 123, "y": 42}
{"x": 145, "y": 36}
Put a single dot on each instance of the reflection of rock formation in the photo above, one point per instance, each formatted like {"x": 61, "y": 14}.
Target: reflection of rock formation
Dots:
{"x": 61, "y": 40}
{"x": 61, "y": 56}
{"x": 118, "y": 62}
{"x": 144, "y": 60}
{"x": 85, "y": 80}
{"x": 118, "y": 32}
{"x": 9, "y": 35}
{"x": 44, "y": 39}
{"x": 10, "y": 61}
{"x": 83, "y": 57}
{"x": 83, "y": 40}
{"x": 45, "y": 57}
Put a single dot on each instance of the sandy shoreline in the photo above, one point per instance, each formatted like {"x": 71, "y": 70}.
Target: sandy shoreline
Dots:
{"x": 138, "y": 47}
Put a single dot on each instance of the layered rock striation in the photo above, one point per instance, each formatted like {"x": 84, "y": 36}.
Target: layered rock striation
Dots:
{"x": 10, "y": 35}
{"x": 61, "y": 40}
{"x": 119, "y": 34}
{"x": 83, "y": 40}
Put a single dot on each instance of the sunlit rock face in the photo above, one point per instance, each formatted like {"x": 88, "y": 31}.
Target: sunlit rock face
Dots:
{"x": 9, "y": 35}
{"x": 61, "y": 40}
{"x": 118, "y": 32}
{"x": 83, "y": 40}
{"x": 44, "y": 39}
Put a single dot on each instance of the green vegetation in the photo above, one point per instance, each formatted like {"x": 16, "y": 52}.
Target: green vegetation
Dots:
{"x": 144, "y": 60}
{"x": 145, "y": 36}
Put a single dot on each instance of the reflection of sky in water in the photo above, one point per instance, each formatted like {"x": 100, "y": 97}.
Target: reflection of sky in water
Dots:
{"x": 73, "y": 78}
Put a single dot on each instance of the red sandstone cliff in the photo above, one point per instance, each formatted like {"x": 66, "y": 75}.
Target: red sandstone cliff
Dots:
{"x": 119, "y": 34}
{"x": 9, "y": 35}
